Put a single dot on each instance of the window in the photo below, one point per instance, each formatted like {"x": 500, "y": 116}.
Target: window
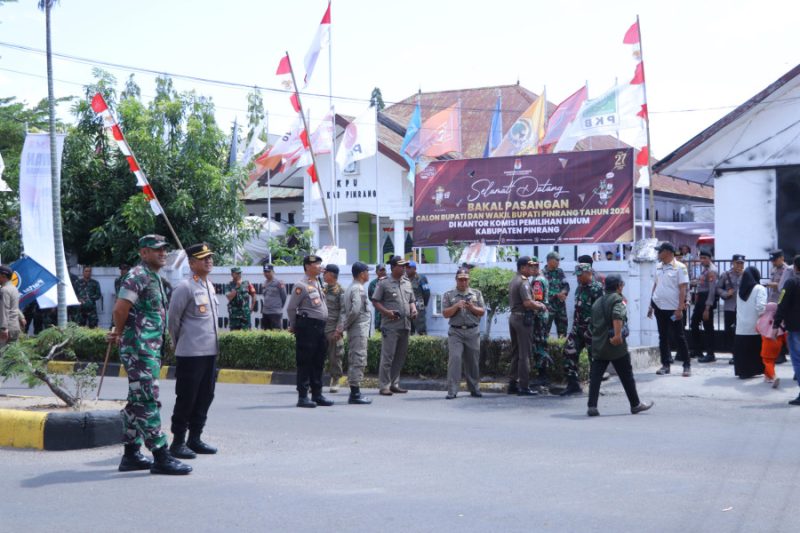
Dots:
{"x": 291, "y": 218}
{"x": 437, "y": 305}
{"x": 277, "y": 216}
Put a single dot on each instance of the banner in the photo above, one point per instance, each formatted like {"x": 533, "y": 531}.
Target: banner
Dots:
{"x": 36, "y": 209}
{"x": 31, "y": 280}
{"x": 571, "y": 198}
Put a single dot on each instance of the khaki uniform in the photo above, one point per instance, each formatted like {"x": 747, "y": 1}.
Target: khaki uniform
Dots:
{"x": 9, "y": 311}
{"x": 395, "y": 295}
{"x": 356, "y": 323}
{"x": 334, "y": 299}
{"x": 463, "y": 341}
{"x": 519, "y": 290}
{"x": 308, "y": 312}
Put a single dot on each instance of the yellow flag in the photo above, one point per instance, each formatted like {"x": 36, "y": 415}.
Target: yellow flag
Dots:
{"x": 524, "y": 135}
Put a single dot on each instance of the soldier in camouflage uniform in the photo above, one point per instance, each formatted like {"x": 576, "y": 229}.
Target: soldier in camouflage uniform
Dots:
{"x": 580, "y": 337}
{"x": 140, "y": 320}
{"x": 124, "y": 268}
{"x": 241, "y": 297}
{"x": 88, "y": 292}
{"x": 422, "y": 295}
{"x": 556, "y": 295}
{"x": 541, "y": 323}
{"x": 334, "y": 324}
{"x": 380, "y": 273}
{"x": 356, "y": 323}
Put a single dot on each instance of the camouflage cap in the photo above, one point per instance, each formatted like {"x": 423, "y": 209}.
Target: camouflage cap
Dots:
{"x": 153, "y": 241}
{"x": 236, "y": 270}
{"x": 582, "y": 268}
{"x": 554, "y": 255}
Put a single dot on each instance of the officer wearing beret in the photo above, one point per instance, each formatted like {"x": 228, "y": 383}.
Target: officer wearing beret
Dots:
{"x": 464, "y": 307}
{"x": 241, "y": 297}
{"x": 308, "y": 312}
{"x": 193, "y": 312}
{"x": 274, "y": 297}
{"x": 11, "y": 319}
{"x": 520, "y": 325}
{"x": 356, "y": 323}
{"x": 394, "y": 300}
{"x": 334, "y": 325}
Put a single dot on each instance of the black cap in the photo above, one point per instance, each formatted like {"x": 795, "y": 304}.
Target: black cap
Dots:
{"x": 380, "y": 267}
{"x": 309, "y": 259}
{"x": 522, "y": 261}
{"x": 737, "y": 257}
{"x": 396, "y": 260}
{"x": 705, "y": 253}
{"x": 774, "y": 254}
{"x": 199, "y": 251}
{"x": 269, "y": 268}
{"x": 124, "y": 266}
{"x": 333, "y": 269}
{"x": 359, "y": 267}
{"x": 613, "y": 282}
{"x": 587, "y": 259}
{"x": 6, "y": 271}
{"x": 666, "y": 246}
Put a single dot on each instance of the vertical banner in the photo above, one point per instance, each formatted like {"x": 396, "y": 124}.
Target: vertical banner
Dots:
{"x": 36, "y": 209}
{"x": 568, "y": 198}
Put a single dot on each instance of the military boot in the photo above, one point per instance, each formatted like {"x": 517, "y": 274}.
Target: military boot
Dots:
{"x": 178, "y": 447}
{"x": 303, "y": 401}
{"x": 198, "y": 446}
{"x": 321, "y": 400}
{"x": 356, "y": 398}
{"x": 133, "y": 459}
{"x": 164, "y": 463}
{"x": 573, "y": 387}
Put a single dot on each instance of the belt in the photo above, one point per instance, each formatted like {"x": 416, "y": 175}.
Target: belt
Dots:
{"x": 313, "y": 321}
{"x": 518, "y": 313}
{"x": 465, "y": 327}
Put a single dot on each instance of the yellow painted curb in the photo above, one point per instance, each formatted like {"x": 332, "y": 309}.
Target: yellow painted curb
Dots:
{"x": 250, "y": 377}
{"x": 22, "y": 429}
{"x": 60, "y": 367}
{"x": 163, "y": 372}
{"x": 122, "y": 372}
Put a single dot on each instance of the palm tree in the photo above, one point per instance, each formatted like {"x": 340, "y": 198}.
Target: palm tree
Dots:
{"x": 55, "y": 178}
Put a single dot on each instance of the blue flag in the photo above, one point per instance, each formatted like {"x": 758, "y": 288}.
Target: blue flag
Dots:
{"x": 495, "y": 131}
{"x": 31, "y": 280}
{"x": 414, "y": 125}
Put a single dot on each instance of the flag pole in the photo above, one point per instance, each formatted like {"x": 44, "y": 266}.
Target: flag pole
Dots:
{"x": 311, "y": 151}
{"x": 378, "y": 254}
{"x": 647, "y": 126}
{"x": 334, "y": 186}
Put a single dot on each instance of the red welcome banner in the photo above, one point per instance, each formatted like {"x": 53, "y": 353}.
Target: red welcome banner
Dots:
{"x": 563, "y": 198}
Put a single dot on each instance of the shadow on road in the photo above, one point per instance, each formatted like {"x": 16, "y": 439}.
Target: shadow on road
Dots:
{"x": 63, "y": 477}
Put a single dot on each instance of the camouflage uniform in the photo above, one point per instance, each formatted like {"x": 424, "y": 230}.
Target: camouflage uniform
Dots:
{"x": 580, "y": 336}
{"x": 334, "y": 299}
{"x": 140, "y": 351}
{"x": 370, "y": 291}
{"x": 422, "y": 294}
{"x": 239, "y": 307}
{"x": 541, "y": 325}
{"x": 557, "y": 283}
{"x": 88, "y": 293}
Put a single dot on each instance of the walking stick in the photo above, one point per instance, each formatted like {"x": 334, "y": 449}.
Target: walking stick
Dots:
{"x": 103, "y": 373}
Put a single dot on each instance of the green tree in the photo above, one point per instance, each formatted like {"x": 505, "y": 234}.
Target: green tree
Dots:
{"x": 376, "y": 99}
{"x": 493, "y": 284}
{"x": 183, "y": 153}
{"x": 290, "y": 249}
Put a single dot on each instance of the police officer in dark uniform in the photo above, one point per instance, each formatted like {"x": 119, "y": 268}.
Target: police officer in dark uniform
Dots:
{"x": 307, "y": 314}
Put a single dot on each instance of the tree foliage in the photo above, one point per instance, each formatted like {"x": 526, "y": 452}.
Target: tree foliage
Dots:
{"x": 493, "y": 284}
{"x": 182, "y": 151}
{"x": 290, "y": 249}
{"x": 376, "y": 100}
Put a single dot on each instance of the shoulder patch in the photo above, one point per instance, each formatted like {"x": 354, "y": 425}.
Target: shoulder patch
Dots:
{"x": 298, "y": 290}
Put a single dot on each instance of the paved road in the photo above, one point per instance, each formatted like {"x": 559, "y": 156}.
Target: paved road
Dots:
{"x": 715, "y": 454}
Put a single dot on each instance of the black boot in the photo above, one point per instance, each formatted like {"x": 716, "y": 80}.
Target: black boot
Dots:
{"x": 198, "y": 446}
{"x": 356, "y": 398}
{"x": 321, "y": 400}
{"x": 573, "y": 387}
{"x": 178, "y": 447}
{"x": 513, "y": 388}
{"x": 164, "y": 463}
{"x": 133, "y": 459}
{"x": 303, "y": 401}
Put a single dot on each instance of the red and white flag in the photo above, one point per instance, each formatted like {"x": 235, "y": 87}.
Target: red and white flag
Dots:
{"x": 284, "y": 74}
{"x": 439, "y": 135}
{"x": 321, "y": 40}
{"x": 634, "y": 38}
{"x": 561, "y": 117}
{"x": 100, "y": 108}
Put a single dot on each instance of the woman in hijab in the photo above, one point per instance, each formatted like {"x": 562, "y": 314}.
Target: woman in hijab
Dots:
{"x": 750, "y": 304}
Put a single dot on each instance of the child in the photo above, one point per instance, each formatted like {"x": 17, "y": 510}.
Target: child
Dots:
{"x": 770, "y": 345}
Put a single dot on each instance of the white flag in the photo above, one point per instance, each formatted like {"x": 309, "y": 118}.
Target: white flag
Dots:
{"x": 321, "y": 141}
{"x": 360, "y": 139}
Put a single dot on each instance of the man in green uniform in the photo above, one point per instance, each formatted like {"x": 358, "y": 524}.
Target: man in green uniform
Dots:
{"x": 541, "y": 323}
{"x": 140, "y": 320}
{"x": 241, "y": 297}
{"x": 464, "y": 307}
{"x": 356, "y": 323}
{"x": 580, "y": 337}
{"x": 124, "y": 268}
{"x": 334, "y": 324}
{"x": 556, "y": 295}
{"x": 88, "y": 292}
{"x": 422, "y": 294}
{"x": 380, "y": 273}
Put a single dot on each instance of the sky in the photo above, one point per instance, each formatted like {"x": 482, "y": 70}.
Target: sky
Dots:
{"x": 702, "y": 57}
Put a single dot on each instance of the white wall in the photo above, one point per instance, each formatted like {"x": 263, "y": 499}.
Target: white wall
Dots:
{"x": 744, "y": 214}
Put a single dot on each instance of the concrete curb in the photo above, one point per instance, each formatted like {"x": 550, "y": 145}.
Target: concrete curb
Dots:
{"x": 59, "y": 431}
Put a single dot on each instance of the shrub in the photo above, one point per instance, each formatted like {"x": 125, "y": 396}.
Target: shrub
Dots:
{"x": 257, "y": 350}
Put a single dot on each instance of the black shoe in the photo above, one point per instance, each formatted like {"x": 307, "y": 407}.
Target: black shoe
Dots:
{"x": 706, "y": 359}
{"x": 731, "y": 361}
{"x": 476, "y": 394}
{"x": 398, "y": 390}
{"x": 179, "y": 449}
{"x": 513, "y": 388}
{"x": 643, "y": 406}
{"x": 527, "y": 392}
{"x": 573, "y": 387}
{"x": 134, "y": 460}
{"x": 303, "y": 401}
{"x": 198, "y": 446}
{"x": 695, "y": 355}
{"x": 796, "y": 401}
{"x": 663, "y": 370}
{"x": 322, "y": 401}
{"x": 164, "y": 463}
{"x": 450, "y": 397}
{"x": 592, "y": 411}
{"x": 356, "y": 398}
